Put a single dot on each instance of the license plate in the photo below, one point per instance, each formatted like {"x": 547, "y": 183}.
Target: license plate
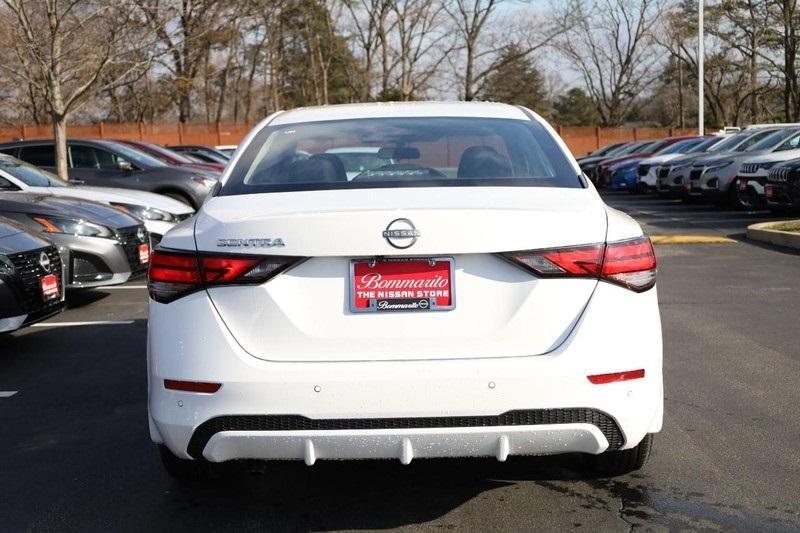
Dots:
{"x": 402, "y": 284}
{"x": 144, "y": 254}
{"x": 50, "y": 289}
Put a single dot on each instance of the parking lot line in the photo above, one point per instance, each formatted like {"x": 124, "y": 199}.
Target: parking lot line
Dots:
{"x": 90, "y": 323}
{"x": 7, "y": 393}
{"x": 121, "y": 287}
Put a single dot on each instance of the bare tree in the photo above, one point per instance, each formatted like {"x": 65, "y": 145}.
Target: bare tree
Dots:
{"x": 610, "y": 45}
{"x": 63, "y": 48}
{"x": 186, "y": 30}
{"x": 483, "y": 39}
{"x": 422, "y": 43}
{"x": 367, "y": 24}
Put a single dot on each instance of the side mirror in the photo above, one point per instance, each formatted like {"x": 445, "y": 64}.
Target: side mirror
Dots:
{"x": 124, "y": 165}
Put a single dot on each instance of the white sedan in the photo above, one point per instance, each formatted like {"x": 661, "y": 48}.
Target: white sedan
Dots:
{"x": 462, "y": 301}
{"x": 159, "y": 213}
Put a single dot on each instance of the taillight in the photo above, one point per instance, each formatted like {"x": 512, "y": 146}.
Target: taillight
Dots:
{"x": 175, "y": 274}
{"x": 631, "y": 263}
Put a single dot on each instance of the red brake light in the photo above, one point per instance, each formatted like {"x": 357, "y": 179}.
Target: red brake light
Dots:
{"x": 175, "y": 274}
{"x": 631, "y": 264}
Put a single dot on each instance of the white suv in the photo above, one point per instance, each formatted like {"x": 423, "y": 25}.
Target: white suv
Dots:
{"x": 462, "y": 300}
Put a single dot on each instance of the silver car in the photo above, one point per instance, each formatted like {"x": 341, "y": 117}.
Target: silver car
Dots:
{"x": 99, "y": 245}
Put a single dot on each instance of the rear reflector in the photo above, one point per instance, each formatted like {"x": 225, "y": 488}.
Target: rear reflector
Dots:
{"x": 630, "y": 263}
{"x": 192, "y": 386}
{"x": 175, "y": 274}
{"x": 600, "y": 379}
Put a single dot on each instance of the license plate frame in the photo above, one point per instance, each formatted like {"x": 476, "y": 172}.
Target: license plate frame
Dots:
{"x": 405, "y": 304}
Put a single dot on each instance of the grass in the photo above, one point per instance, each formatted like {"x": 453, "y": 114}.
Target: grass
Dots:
{"x": 792, "y": 225}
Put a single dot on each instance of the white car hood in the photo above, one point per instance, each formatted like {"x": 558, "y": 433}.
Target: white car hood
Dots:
{"x": 785, "y": 155}
{"x": 108, "y": 195}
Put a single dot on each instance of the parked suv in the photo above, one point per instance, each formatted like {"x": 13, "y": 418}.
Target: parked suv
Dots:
{"x": 783, "y": 187}
{"x": 111, "y": 164}
{"x": 725, "y": 161}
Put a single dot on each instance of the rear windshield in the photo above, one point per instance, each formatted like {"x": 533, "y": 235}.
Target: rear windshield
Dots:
{"x": 401, "y": 152}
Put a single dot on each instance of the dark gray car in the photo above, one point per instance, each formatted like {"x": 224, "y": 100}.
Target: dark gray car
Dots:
{"x": 110, "y": 164}
{"x": 100, "y": 245}
{"x": 31, "y": 284}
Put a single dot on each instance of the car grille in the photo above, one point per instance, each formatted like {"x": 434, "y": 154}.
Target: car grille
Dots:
{"x": 695, "y": 173}
{"x": 529, "y": 417}
{"x": 663, "y": 172}
{"x": 749, "y": 168}
{"x": 130, "y": 243}
{"x": 27, "y": 267}
{"x": 780, "y": 175}
{"x": 644, "y": 169}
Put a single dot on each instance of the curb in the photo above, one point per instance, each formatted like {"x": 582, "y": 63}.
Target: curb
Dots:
{"x": 762, "y": 232}
{"x": 690, "y": 239}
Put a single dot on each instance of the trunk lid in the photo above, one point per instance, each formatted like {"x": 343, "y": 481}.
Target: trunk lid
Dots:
{"x": 501, "y": 310}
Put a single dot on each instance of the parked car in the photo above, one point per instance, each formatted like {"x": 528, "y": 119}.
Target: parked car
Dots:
{"x": 172, "y": 157}
{"x": 603, "y": 150}
{"x": 31, "y": 278}
{"x": 647, "y": 172}
{"x": 329, "y": 318}
{"x": 590, "y": 165}
{"x": 691, "y": 171}
{"x": 110, "y": 164}
{"x": 159, "y": 213}
{"x": 783, "y": 187}
{"x": 719, "y": 183}
{"x": 626, "y": 162}
{"x": 603, "y": 171}
{"x": 100, "y": 245}
{"x": 752, "y": 176}
{"x": 670, "y": 176}
{"x": 204, "y": 153}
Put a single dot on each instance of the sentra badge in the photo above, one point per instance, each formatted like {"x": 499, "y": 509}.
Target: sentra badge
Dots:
{"x": 250, "y": 243}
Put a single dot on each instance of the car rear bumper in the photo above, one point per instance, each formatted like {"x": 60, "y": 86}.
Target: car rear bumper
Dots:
{"x": 374, "y": 409}
{"x": 406, "y": 444}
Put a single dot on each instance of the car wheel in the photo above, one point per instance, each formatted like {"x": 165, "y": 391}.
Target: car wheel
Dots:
{"x": 619, "y": 462}
{"x": 180, "y": 197}
{"x": 733, "y": 200}
{"x": 186, "y": 470}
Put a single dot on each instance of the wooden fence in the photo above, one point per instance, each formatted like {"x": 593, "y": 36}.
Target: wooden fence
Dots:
{"x": 580, "y": 140}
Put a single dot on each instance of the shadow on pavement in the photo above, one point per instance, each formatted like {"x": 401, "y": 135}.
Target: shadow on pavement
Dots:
{"x": 343, "y": 495}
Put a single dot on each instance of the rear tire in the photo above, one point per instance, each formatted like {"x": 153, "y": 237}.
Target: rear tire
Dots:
{"x": 620, "y": 462}
{"x": 185, "y": 470}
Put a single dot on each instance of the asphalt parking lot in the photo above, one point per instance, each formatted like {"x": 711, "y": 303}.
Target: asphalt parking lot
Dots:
{"x": 75, "y": 453}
